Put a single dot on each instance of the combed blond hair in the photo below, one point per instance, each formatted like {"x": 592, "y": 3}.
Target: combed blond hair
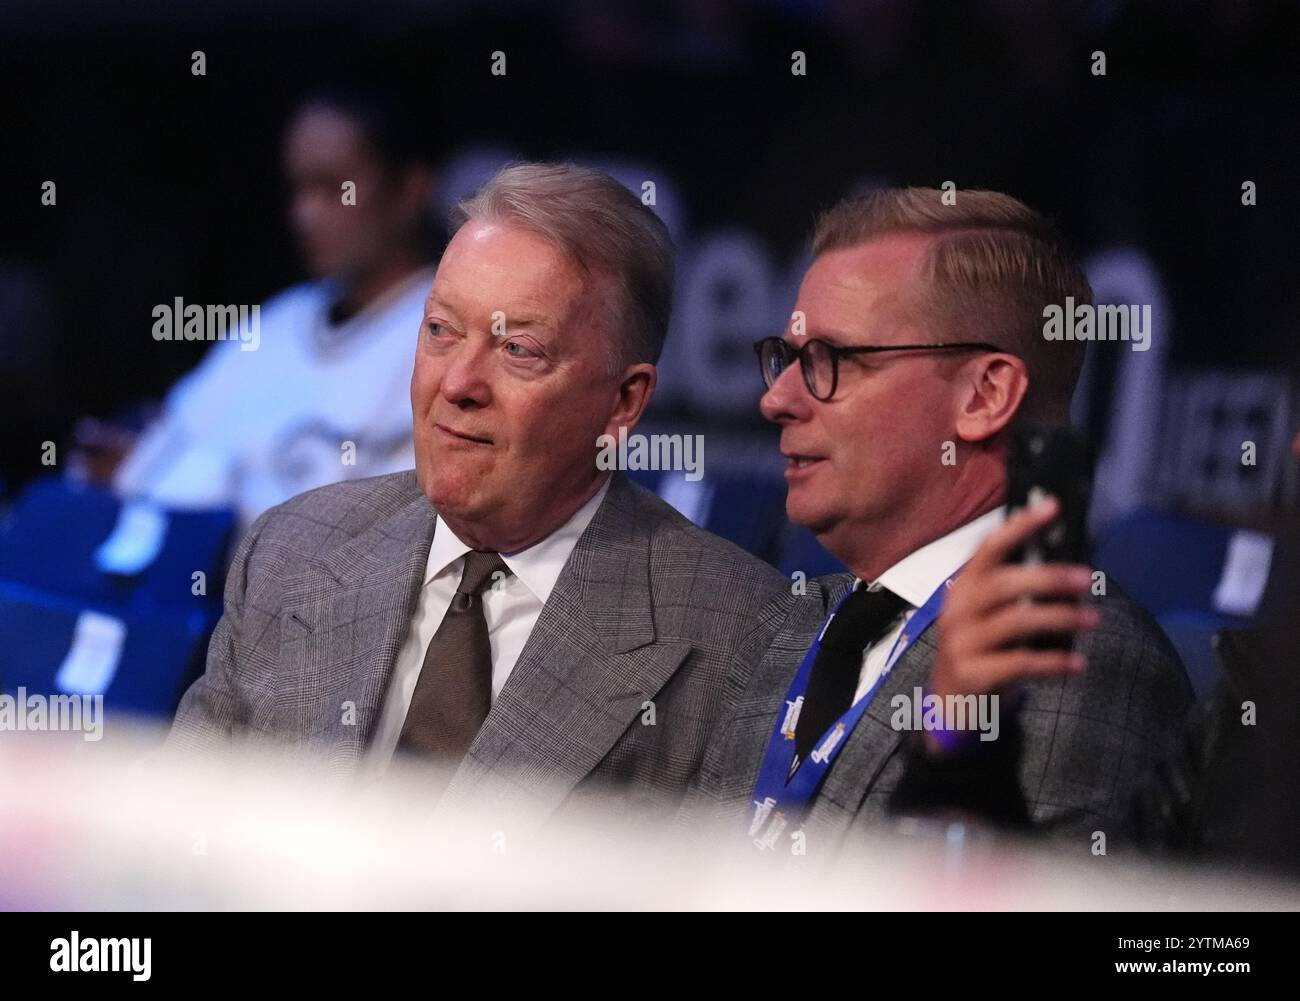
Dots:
{"x": 993, "y": 266}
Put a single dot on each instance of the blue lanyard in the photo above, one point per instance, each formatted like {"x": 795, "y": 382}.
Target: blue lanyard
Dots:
{"x": 780, "y": 797}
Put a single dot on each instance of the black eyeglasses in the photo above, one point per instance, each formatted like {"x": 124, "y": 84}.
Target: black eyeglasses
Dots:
{"x": 820, "y": 361}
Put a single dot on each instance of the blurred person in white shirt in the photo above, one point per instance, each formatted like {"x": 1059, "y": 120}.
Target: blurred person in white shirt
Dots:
{"x": 323, "y": 397}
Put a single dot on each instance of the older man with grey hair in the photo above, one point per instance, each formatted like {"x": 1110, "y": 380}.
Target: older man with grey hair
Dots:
{"x": 509, "y": 610}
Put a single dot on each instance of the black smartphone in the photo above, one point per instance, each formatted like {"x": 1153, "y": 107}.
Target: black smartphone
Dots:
{"x": 1049, "y": 460}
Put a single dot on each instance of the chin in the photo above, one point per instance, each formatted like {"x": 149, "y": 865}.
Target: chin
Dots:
{"x": 810, "y": 515}
{"x": 818, "y": 519}
{"x": 320, "y": 266}
{"x": 455, "y": 495}
{"x": 458, "y": 502}
{"x": 815, "y": 521}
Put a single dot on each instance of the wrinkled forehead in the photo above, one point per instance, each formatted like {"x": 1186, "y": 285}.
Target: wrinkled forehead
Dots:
{"x": 490, "y": 266}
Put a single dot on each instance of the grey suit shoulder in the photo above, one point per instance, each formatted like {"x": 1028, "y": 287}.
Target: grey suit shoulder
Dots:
{"x": 649, "y": 609}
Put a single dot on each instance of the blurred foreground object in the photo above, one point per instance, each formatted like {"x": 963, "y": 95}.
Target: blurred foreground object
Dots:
{"x": 99, "y": 826}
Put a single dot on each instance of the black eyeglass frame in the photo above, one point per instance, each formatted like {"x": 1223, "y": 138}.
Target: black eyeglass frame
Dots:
{"x": 837, "y": 352}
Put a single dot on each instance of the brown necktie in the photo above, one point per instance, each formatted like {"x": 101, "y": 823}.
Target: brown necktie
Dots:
{"x": 454, "y": 691}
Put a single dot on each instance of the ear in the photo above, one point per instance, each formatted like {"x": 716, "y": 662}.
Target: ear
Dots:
{"x": 992, "y": 388}
{"x": 635, "y": 388}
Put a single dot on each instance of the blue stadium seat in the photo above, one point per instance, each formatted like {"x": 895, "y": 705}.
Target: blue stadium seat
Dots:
{"x": 748, "y": 511}
{"x": 1166, "y": 562}
{"x": 50, "y": 582}
{"x": 1172, "y": 564}
{"x": 49, "y": 538}
{"x": 158, "y": 658}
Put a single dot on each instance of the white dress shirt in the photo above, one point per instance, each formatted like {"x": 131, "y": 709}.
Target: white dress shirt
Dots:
{"x": 915, "y": 577}
{"x": 510, "y": 609}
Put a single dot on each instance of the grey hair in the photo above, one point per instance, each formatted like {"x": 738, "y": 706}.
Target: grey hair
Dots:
{"x": 602, "y": 226}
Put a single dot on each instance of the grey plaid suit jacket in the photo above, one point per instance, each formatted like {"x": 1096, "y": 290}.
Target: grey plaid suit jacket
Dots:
{"x": 648, "y": 608}
{"x": 1087, "y": 740}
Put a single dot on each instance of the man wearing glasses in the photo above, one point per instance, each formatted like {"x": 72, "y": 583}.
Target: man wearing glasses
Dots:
{"x": 916, "y": 341}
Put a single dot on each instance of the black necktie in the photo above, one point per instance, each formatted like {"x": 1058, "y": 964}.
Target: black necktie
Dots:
{"x": 863, "y": 619}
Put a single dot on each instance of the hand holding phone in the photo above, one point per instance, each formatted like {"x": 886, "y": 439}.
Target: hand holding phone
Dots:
{"x": 1049, "y": 461}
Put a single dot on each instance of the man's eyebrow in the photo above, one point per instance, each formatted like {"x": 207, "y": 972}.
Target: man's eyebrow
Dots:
{"x": 515, "y": 318}
{"x": 525, "y": 319}
{"x": 829, "y": 336}
{"x": 433, "y": 299}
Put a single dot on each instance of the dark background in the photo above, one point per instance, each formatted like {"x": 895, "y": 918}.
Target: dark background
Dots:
{"x": 169, "y": 184}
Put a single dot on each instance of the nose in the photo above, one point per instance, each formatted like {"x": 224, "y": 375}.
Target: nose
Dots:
{"x": 465, "y": 383}
{"x": 305, "y": 212}
{"x": 787, "y": 400}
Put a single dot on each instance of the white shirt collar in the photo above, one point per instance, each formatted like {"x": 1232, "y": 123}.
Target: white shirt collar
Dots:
{"x": 538, "y": 567}
{"x": 918, "y": 575}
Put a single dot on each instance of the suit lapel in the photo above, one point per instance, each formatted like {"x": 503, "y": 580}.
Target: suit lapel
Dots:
{"x": 343, "y": 625}
{"x": 763, "y": 698}
{"x": 868, "y": 747}
{"x": 590, "y": 663}
{"x": 872, "y": 741}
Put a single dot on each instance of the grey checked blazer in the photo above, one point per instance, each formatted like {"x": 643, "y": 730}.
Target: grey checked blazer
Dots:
{"x": 1087, "y": 740}
{"x": 648, "y": 607}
